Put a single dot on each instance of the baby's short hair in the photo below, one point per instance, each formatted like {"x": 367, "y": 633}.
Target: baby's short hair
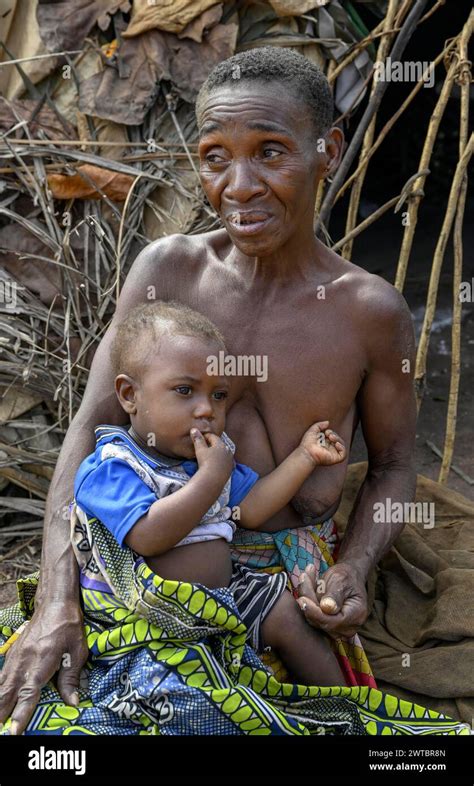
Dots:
{"x": 130, "y": 347}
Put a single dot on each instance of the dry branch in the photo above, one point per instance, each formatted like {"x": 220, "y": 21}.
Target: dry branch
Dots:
{"x": 464, "y": 79}
{"x": 451, "y": 209}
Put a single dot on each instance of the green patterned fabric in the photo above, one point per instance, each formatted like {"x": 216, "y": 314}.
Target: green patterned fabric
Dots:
{"x": 167, "y": 657}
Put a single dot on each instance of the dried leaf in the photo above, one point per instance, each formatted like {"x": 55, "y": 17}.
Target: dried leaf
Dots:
{"x": 191, "y": 63}
{"x": 115, "y": 185}
{"x": 46, "y": 120}
{"x": 335, "y": 25}
{"x": 295, "y": 7}
{"x": 285, "y": 27}
{"x": 66, "y": 92}
{"x": 127, "y": 100}
{"x": 170, "y": 209}
{"x": 202, "y": 24}
{"x": 169, "y": 15}
{"x": 106, "y": 131}
{"x": 148, "y": 59}
{"x": 254, "y": 21}
{"x": 39, "y": 277}
{"x": 19, "y": 32}
{"x": 15, "y": 402}
{"x": 64, "y": 25}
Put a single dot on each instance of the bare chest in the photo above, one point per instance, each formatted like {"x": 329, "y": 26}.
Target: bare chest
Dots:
{"x": 294, "y": 358}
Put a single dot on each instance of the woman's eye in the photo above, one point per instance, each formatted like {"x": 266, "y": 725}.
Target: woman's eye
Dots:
{"x": 184, "y": 390}
{"x": 268, "y": 152}
{"x": 271, "y": 150}
{"x": 219, "y": 395}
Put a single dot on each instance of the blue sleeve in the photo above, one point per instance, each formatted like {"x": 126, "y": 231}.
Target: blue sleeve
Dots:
{"x": 113, "y": 493}
{"x": 242, "y": 480}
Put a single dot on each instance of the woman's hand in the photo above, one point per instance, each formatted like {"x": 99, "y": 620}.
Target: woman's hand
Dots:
{"x": 336, "y": 602}
{"x": 53, "y": 641}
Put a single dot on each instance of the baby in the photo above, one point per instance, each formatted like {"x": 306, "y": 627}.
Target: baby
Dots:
{"x": 169, "y": 488}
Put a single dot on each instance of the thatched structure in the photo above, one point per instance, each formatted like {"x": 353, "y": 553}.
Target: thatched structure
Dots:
{"x": 98, "y": 158}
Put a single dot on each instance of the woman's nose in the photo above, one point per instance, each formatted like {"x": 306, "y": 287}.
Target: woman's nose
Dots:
{"x": 243, "y": 182}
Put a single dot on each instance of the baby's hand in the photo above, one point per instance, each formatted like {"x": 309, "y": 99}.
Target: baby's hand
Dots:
{"x": 212, "y": 454}
{"x": 323, "y": 445}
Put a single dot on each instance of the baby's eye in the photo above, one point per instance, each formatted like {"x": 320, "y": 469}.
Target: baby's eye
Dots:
{"x": 184, "y": 390}
{"x": 219, "y": 395}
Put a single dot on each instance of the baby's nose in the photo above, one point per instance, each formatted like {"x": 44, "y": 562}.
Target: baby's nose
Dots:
{"x": 204, "y": 409}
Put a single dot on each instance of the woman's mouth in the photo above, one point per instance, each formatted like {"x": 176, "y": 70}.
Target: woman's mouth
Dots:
{"x": 247, "y": 223}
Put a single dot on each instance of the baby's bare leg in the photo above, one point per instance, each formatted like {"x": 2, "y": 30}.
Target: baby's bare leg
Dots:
{"x": 206, "y": 562}
{"x": 304, "y": 650}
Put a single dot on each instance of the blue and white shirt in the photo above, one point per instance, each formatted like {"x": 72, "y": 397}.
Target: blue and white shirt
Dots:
{"x": 119, "y": 482}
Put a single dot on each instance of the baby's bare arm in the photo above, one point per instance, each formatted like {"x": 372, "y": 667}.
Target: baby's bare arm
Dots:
{"x": 319, "y": 446}
{"x": 171, "y": 518}
{"x": 274, "y": 491}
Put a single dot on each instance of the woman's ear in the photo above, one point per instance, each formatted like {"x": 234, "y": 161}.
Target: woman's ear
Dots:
{"x": 125, "y": 389}
{"x": 335, "y": 147}
{"x": 330, "y": 150}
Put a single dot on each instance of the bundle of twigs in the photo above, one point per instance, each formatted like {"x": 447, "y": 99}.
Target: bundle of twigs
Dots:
{"x": 46, "y": 349}
{"x": 455, "y": 56}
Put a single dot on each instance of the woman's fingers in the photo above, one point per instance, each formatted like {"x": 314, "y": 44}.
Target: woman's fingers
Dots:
{"x": 28, "y": 698}
{"x": 20, "y": 694}
{"x": 69, "y": 674}
{"x": 51, "y": 641}
{"x": 331, "y": 592}
{"x": 335, "y": 625}
{"x": 306, "y": 586}
{"x": 313, "y": 614}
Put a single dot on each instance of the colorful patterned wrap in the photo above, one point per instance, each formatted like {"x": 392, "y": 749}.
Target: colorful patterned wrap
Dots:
{"x": 171, "y": 658}
{"x": 291, "y": 550}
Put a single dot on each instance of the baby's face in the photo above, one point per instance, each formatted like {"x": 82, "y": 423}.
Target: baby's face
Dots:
{"x": 176, "y": 393}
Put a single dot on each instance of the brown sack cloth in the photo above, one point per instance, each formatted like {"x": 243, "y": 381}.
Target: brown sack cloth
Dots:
{"x": 422, "y": 599}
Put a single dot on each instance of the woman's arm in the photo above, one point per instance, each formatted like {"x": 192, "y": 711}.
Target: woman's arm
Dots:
{"x": 56, "y": 628}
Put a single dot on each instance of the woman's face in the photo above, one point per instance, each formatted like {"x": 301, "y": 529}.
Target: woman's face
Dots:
{"x": 260, "y": 163}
